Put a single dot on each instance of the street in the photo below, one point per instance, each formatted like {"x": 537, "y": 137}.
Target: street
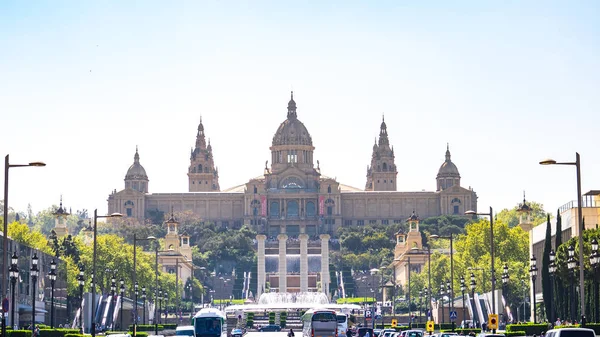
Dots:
{"x": 274, "y": 334}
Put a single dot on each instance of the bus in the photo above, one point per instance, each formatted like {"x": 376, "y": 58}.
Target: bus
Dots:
{"x": 319, "y": 323}
{"x": 342, "y": 324}
{"x": 209, "y": 322}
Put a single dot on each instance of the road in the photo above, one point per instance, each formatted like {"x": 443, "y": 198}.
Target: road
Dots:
{"x": 270, "y": 334}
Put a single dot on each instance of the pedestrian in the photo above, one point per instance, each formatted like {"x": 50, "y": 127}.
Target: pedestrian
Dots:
{"x": 291, "y": 333}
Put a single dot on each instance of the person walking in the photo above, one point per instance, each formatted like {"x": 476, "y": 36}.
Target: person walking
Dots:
{"x": 291, "y": 333}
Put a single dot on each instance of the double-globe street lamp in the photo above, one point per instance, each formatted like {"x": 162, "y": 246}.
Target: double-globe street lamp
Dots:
{"x": 577, "y": 164}
{"x": 533, "y": 271}
{"x": 463, "y": 287}
{"x": 144, "y": 305}
{"x": 81, "y": 282}
{"x": 113, "y": 288}
{"x": 473, "y": 285}
{"x": 14, "y": 276}
{"x": 8, "y": 165}
{"x": 122, "y": 292}
{"x": 492, "y": 252}
{"x": 35, "y": 272}
{"x": 595, "y": 262}
{"x": 52, "y": 277}
{"x": 552, "y": 269}
{"x": 505, "y": 279}
{"x": 572, "y": 265}
{"x": 93, "y": 282}
{"x": 135, "y": 310}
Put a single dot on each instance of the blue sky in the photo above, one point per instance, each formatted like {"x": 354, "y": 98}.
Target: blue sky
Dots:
{"x": 506, "y": 83}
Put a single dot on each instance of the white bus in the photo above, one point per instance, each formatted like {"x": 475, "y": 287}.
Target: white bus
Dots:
{"x": 210, "y": 322}
{"x": 342, "y": 324}
{"x": 319, "y": 323}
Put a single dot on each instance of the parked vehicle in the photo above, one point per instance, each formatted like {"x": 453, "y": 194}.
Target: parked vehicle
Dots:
{"x": 360, "y": 332}
{"x": 270, "y": 327}
{"x": 210, "y": 322}
{"x": 320, "y": 322}
{"x": 237, "y": 333}
{"x": 570, "y": 332}
{"x": 186, "y": 330}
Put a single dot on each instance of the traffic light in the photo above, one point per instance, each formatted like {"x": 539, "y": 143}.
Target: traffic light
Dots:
{"x": 430, "y": 326}
{"x": 394, "y": 323}
{"x": 493, "y": 321}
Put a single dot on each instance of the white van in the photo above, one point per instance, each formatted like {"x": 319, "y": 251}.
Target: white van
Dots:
{"x": 185, "y": 330}
{"x": 570, "y": 332}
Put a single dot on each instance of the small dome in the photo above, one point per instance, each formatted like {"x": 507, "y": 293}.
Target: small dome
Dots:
{"x": 136, "y": 171}
{"x": 448, "y": 169}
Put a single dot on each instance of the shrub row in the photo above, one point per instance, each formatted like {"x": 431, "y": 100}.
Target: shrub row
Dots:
{"x": 18, "y": 333}
{"x": 148, "y": 327}
{"x": 169, "y": 326}
{"x": 57, "y": 332}
{"x": 515, "y": 333}
{"x": 529, "y": 328}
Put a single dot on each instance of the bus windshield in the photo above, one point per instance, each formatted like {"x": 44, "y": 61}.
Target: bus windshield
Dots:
{"x": 324, "y": 316}
{"x": 341, "y": 318}
{"x": 209, "y": 326}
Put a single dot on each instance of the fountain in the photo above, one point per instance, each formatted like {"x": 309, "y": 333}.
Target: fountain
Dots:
{"x": 305, "y": 298}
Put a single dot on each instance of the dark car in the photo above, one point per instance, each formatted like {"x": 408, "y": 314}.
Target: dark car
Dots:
{"x": 360, "y": 332}
{"x": 270, "y": 327}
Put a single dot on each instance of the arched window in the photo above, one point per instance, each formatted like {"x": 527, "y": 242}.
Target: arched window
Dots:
{"x": 329, "y": 189}
{"x": 384, "y": 166}
{"x": 310, "y": 209}
{"x": 200, "y": 168}
{"x": 255, "y": 189}
{"x": 274, "y": 208}
{"x": 292, "y": 208}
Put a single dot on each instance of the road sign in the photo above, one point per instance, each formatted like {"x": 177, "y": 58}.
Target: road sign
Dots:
{"x": 493, "y": 321}
{"x": 453, "y": 315}
{"x": 429, "y": 326}
{"x": 394, "y": 322}
{"x": 368, "y": 314}
{"x": 5, "y": 305}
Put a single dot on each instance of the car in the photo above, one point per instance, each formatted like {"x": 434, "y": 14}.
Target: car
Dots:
{"x": 413, "y": 333}
{"x": 185, "y": 330}
{"x": 237, "y": 333}
{"x": 360, "y": 332}
{"x": 270, "y": 328}
{"x": 447, "y": 334}
{"x": 377, "y": 332}
{"x": 487, "y": 334}
{"x": 570, "y": 332}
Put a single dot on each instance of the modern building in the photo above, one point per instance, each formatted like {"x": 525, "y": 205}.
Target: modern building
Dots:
{"x": 291, "y": 196}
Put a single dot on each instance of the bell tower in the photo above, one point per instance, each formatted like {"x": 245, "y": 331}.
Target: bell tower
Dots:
{"x": 202, "y": 174}
{"x": 381, "y": 174}
{"x": 172, "y": 237}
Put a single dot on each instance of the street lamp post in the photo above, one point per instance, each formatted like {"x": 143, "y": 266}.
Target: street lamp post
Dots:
{"x": 420, "y": 304}
{"x": 463, "y": 287}
{"x": 552, "y": 269}
{"x": 451, "y": 283}
{"x": 442, "y": 288}
{"x": 122, "y": 290}
{"x": 492, "y": 252}
{"x": 96, "y": 217}
{"x": 473, "y": 285}
{"x": 426, "y": 294}
{"x": 159, "y": 305}
{"x": 113, "y": 288}
{"x": 135, "y": 241}
{"x": 450, "y": 300}
{"x": 577, "y": 164}
{"x": 505, "y": 278}
{"x": 52, "y": 276}
{"x": 14, "y": 276}
{"x": 144, "y": 305}
{"x": 156, "y": 298}
{"x": 533, "y": 273}
{"x": 374, "y": 272}
{"x": 594, "y": 261}
{"x": 571, "y": 265}
{"x": 81, "y": 282}
{"x": 8, "y": 165}
{"x": 35, "y": 272}
{"x": 135, "y": 311}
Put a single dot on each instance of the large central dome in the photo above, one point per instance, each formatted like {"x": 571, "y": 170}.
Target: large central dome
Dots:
{"x": 292, "y": 131}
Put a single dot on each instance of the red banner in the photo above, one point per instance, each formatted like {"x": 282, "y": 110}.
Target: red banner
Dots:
{"x": 321, "y": 205}
{"x": 263, "y": 205}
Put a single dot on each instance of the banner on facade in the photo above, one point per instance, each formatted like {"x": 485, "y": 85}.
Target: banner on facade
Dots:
{"x": 263, "y": 205}
{"x": 321, "y": 205}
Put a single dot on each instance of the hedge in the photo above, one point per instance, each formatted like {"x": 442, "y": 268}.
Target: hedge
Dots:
{"x": 529, "y": 328}
{"x": 169, "y": 326}
{"x": 249, "y": 323}
{"x": 467, "y": 331}
{"x": 73, "y": 335}
{"x": 515, "y": 333}
{"x": 148, "y": 327}
{"x": 18, "y": 333}
{"x": 57, "y": 332}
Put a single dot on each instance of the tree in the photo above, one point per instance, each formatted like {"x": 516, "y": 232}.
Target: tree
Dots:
{"x": 559, "y": 289}
{"x": 511, "y": 217}
{"x": 546, "y": 281}
{"x": 21, "y": 233}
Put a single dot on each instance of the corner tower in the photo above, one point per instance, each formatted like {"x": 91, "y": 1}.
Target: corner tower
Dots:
{"x": 448, "y": 175}
{"x": 136, "y": 177}
{"x": 202, "y": 174}
{"x": 382, "y": 173}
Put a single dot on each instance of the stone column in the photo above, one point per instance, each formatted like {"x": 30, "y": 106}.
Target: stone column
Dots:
{"x": 303, "y": 262}
{"x": 260, "y": 269}
{"x": 282, "y": 262}
{"x": 325, "y": 263}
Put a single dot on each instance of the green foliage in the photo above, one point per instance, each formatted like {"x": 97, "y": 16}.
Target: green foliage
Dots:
{"x": 57, "y": 332}
{"x": 169, "y": 326}
{"x": 355, "y": 300}
{"x": 18, "y": 333}
{"x": 467, "y": 331}
{"x": 150, "y": 327}
{"x": 74, "y": 335}
{"x": 515, "y": 333}
{"x": 546, "y": 279}
{"x": 21, "y": 233}
{"x": 142, "y": 334}
{"x": 528, "y": 328}
{"x": 511, "y": 217}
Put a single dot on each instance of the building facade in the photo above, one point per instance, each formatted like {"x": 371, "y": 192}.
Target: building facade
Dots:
{"x": 292, "y": 196}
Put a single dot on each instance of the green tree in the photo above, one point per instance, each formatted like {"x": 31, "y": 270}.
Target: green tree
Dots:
{"x": 559, "y": 288}
{"x": 21, "y": 233}
{"x": 546, "y": 281}
{"x": 511, "y": 216}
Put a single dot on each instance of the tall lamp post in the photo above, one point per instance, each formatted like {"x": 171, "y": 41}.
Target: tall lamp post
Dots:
{"x": 420, "y": 304}
{"x": 52, "y": 276}
{"x": 8, "y": 165}
{"x": 122, "y": 291}
{"x": 577, "y": 164}
{"x": 35, "y": 272}
{"x": 426, "y": 294}
{"x": 135, "y": 312}
{"x": 492, "y": 252}
{"x": 505, "y": 279}
{"x": 159, "y": 305}
{"x": 473, "y": 286}
{"x": 451, "y": 283}
{"x": 450, "y": 299}
{"x": 14, "y": 276}
{"x": 571, "y": 265}
{"x": 113, "y": 288}
{"x": 96, "y": 217}
{"x": 156, "y": 298}
{"x": 594, "y": 261}
{"x": 533, "y": 273}
{"x": 144, "y": 305}
{"x": 463, "y": 287}
{"x": 374, "y": 272}
{"x": 552, "y": 269}
{"x": 442, "y": 291}
{"x": 81, "y": 282}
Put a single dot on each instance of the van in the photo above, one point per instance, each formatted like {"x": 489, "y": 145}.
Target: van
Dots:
{"x": 185, "y": 330}
{"x": 570, "y": 332}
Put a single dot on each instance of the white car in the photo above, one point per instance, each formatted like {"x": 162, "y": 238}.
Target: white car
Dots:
{"x": 570, "y": 332}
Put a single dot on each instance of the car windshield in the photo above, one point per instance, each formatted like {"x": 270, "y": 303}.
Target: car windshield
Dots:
{"x": 341, "y": 318}
{"x": 208, "y": 325}
{"x": 576, "y": 333}
{"x": 186, "y": 332}
{"x": 324, "y": 317}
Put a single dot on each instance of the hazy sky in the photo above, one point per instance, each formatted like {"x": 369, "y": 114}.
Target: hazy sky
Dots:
{"x": 506, "y": 83}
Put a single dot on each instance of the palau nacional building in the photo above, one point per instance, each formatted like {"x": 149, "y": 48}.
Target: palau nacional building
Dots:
{"x": 291, "y": 204}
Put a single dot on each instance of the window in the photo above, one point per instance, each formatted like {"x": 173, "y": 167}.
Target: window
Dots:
{"x": 372, "y": 222}
{"x": 310, "y": 209}
{"x": 129, "y": 212}
{"x": 185, "y": 241}
{"x": 329, "y": 189}
{"x": 330, "y": 221}
{"x": 292, "y": 208}
{"x": 292, "y": 156}
{"x": 396, "y": 221}
{"x": 225, "y": 224}
{"x": 385, "y": 222}
{"x": 391, "y": 180}
{"x": 384, "y": 166}
{"x": 385, "y": 181}
{"x": 360, "y": 222}
{"x": 274, "y": 208}
{"x": 456, "y": 209}
{"x": 193, "y": 182}
{"x": 200, "y": 168}
{"x": 347, "y": 222}
{"x": 329, "y": 210}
